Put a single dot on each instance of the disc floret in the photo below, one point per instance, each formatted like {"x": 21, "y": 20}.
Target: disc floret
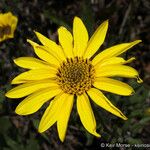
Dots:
{"x": 75, "y": 75}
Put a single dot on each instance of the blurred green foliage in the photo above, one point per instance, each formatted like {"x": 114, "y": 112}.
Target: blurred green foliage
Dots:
{"x": 128, "y": 21}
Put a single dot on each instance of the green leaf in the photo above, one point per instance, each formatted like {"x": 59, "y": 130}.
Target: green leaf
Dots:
{"x": 56, "y": 20}
{"x": 32, "y": 143}
{"x": 5, "y": 124}
{"x": 88, "y": 16}
{"x": 134, "y": 140}
{"x": 137, "y": 127}
{"x": 14, "y": 144}
{"x": 2, "y": 96}
{"x": 36, "y": 123}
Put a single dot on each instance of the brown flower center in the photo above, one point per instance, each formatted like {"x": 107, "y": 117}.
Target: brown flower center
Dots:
{"x": 4, "y": 30}
{"x": 75, "y": 76}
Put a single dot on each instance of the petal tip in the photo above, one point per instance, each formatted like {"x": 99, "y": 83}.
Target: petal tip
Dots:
{"x": 33, "y": 44}
{"x": 16, "y": 81}
{"x": 35, "y": 32}
{"x": 15, "y": 60}
{"x": 61, "y": 28}
{"x": 139, "y": 80}
{"x": 132, "y": 93}
{"x": 41, "y": 127}
{"x": 106, "y": 22}
{"x": 137, "y": 41}
{"x": 125, "y": 118}
{"x": 133, "y": 58}
{"x": 96, "y": 134}
{"x": 28, "y": 40}
{"x": 19, "y": 111}
{"x": 76, "y": 18}
{"x": 40, "y": 130}
{"x": 7, "y": 94}
{"x": 62, "y": 139}
{"x": 13, "y": 81}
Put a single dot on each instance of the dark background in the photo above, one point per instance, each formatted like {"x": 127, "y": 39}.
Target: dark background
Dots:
{"x": 128, "y": 20}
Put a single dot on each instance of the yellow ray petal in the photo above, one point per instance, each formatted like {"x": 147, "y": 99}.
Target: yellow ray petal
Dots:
{"x": 30, "y": 87}
{"x": 14, "y": 22}
{"x": 52, "y": 112}
{"x": 86, "y": 114}
{"x": 2, "y": 17}
{"x": 34, "y": 101}
{"x": 53, "y": 47}
{"x": 64, "y": 115}
{"x": 113, "y": 86}
{"x": 42, "y": 53}
{"x": 66, "y": 41}
{"x": 114, "y": 51}
{"x": 128, "y": 61}
{"x": 31, "y": 63}
{"x": 80, "y": 36}
{"x": 114, "y": 61}
{"x": 103, "y": 102}
{"x": 96, "y": 40}
{"x": 32, "y": 75}
{"x": 117, "y": 70}
{"x": 33, "y": 44}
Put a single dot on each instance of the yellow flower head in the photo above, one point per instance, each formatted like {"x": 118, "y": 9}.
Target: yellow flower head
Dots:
{"x": 71, "y": 69}
{"x": 8, "y": 23}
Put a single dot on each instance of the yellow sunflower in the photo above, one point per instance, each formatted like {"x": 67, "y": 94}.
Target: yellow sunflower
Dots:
{"x": 8, "y": 23}
{"x": 70, "y": 70}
